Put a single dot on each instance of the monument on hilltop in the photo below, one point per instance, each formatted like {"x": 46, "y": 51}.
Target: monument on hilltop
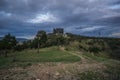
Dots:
{"x": 58, "y": 31}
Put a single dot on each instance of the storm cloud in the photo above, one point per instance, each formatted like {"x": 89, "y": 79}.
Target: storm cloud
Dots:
{"x": 23, "y": 18}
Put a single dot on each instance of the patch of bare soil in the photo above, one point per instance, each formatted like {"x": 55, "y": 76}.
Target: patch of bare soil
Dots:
{"x": 49, "y": 71}
{"x": 13, "y": 74}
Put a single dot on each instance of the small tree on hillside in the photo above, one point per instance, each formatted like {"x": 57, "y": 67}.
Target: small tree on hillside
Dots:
{"x": 41, "y": 38}
{"x": 9, "y": 43}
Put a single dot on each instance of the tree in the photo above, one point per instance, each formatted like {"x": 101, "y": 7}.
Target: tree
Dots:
{"x": 1, "y": 45}
{"x": 9, "y": 43}
{"x": 41, "y": 38}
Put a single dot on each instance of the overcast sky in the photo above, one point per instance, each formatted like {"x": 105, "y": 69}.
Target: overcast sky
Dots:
{"x": 23, "y": 18}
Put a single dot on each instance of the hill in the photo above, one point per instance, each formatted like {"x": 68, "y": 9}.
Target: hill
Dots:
{"x": 99, "y": 46}
{"x": 63, "y": 57}
{"x": 57, "y": 63}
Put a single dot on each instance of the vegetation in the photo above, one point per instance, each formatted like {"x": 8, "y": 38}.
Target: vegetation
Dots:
{"x": 8, "y": 43}
{"x": 54, "y": 59}
{"x": 109, "y": 47}
{"x": 31, "y": 56}
{"x": 59, "y": 56}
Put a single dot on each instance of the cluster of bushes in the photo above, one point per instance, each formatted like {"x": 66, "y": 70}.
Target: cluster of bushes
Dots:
{"x": 108, "y": 47}
{"x": 45, "y": 40}
{"x": 7, "y": 44}
{"x": 114, "y": 46}
{"x": 42, "y": 39}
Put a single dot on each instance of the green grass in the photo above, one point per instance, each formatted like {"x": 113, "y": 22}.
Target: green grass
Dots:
{"x": 96, "y": 58}
{"x": 46, "y": 56}
{"x": 28, "y": 57}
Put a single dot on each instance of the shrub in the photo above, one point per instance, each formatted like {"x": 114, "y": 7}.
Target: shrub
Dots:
{"x": 94, "y": 49}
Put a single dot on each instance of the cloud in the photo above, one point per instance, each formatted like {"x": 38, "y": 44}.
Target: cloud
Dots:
{"x": 115, "y": 6}
{"x": 42, "y": 18}
{"x": 26, "y": 17}
{"x": 88, "y": 29}
{"x": 117, "y": 34}
{"x": 27, "y": 37}
{"x": 2, "y": 13}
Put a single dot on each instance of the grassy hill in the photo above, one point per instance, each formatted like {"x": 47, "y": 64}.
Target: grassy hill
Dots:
{"x": 105, "y": 47}
{"x": 74, "y": 58}
{"x": 58, "y": 63}
{"x": 26, "y": 57}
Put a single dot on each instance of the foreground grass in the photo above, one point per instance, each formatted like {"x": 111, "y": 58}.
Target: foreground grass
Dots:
{"x": 27, "y": 57}
{"x": 58, "y": 64}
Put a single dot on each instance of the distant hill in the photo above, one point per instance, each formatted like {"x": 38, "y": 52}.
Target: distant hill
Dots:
{"x": 21, "y": 39}
{"x": 18, "y": 39}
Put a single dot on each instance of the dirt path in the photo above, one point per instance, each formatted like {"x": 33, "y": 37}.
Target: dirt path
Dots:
{"x": 84, "y": 59}
{"x": 80, "y": 56}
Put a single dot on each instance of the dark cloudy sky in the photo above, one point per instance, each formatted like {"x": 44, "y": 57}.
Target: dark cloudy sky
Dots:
{"x": 23, "y": 18}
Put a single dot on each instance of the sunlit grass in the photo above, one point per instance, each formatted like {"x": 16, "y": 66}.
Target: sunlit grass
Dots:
{"x": 32, "y": 56}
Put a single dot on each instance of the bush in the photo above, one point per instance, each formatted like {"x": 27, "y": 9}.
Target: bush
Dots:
{"x": 94, "y": 49}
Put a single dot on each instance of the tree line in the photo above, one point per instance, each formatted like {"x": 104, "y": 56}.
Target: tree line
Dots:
{"x": 41, "y": 40}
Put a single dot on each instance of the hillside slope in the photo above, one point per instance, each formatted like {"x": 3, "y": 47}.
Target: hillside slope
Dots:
{"x": 57, "y": 63}
{"x": 106, "y": 47}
